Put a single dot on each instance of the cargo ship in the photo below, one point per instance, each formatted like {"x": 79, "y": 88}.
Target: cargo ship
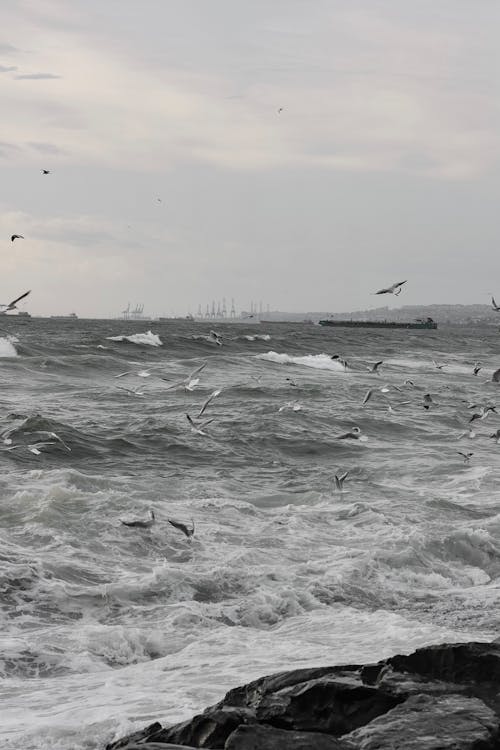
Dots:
{"x": 419, "y": 324}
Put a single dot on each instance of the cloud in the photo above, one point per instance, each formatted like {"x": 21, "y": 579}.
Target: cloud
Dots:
{"x": 46, "y": 148}
{"x": 7, "y": 49}
{"x": 36, "y": 77}
{"x": 7, "y": 68}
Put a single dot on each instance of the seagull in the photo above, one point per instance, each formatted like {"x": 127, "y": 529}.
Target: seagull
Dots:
{"x": 198, "y": 428}
{"x": 477, "y": 367}
{"x": 16, "y": 237}
{"x": 339, "y": 481}
{"x": 189, "y": 532}
{"x": 410, "y": 383}
{"x": 340, "y": 359}
{"x": 291, "y": 382}
{"x": 374, "y": 368}
{"x": 494, "y": 305}
{"x": 293, "y": 405}
{"x": 354, "y": 434}
{"x": 392, "y": 289}
{"x": 141, "y": 524}
{"x": 216, "y": 337}
{"x": 132, "y": 391}
{"x": 367, "y": 397}
{"x": 466, "y": 456}
{"x": 32, "y": 447}
{"x": 190, "y": 382}
{"x": 496, "y": 435}
{"x": 140, "y": 373}
{"x": 485, "y": 410}
{"x": 45, "y": 171}
{"x": 208, "y": 401}
{"x": 280, "y": 110}
{"x": 427, "y": 401}
{"x": 12, "y": 305}
{"x": 437, "y": 366}
{"x": 54, "y": 436}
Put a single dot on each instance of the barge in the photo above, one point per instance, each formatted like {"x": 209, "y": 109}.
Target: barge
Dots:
{"x": 419, "y": 325}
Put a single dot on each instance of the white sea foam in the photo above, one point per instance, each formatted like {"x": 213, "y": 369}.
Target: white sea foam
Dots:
{"x": 7, "y": 348}
{"x": 149, "y": 338}
{"x": 317, "y": 361}
{"x": 258, "y": 337}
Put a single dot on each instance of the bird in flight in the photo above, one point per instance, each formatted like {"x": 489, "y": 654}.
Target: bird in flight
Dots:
{"x": 189, "y": 532}
{"x": 45, "y": 171}
{"x": 494, "y": 305}
{"x": 16, "y": 237}
{"x": 280, "y": 110}
{"x": 374, "y": 368}
{"x": 12, "y": 305}
{"x": 339, "y": 481}
{"x": 392, "y": 289}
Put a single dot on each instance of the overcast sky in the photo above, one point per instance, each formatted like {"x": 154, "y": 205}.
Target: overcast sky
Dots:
{"x": 383, "y": 164}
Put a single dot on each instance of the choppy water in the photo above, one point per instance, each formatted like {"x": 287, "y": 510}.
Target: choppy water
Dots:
{"x": 104, "y": 627}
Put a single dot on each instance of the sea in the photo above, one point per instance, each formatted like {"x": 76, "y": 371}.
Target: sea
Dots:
{"x": 106, "y": 627}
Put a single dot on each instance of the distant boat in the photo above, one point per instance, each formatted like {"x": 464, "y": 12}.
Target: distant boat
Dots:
{"x": 71, "y": 316}
{"x": 419, "y": 324}
{"x": 23, "y": 314}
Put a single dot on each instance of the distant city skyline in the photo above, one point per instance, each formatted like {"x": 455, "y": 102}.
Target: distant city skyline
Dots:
{"x": 302, "y": 153}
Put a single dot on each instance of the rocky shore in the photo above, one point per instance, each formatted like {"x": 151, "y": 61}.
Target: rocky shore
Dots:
{"x": 444, "y": 697}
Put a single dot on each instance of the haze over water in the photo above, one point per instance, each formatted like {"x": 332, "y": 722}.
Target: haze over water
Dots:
{"x": 105, "y": 628}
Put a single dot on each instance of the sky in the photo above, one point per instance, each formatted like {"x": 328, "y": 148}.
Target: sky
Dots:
{"x": 300, "y": 152}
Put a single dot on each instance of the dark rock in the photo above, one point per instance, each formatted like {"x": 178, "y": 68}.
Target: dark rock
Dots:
{"x": 209, "y": 729}
{"x": 455, "y": 662}
{"x": 331, "y": 705}
{"x": 451, "y": 722}
{"x": 142, "y": 734}
{"x": 251, "y": 694}
{"x": 262, "y": 737}
{"x": 444, "y": 697}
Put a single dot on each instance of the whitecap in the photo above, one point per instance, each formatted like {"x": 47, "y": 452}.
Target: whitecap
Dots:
{"x": 7, "y": 348}
{"x": 318, "y": 361}
{"x": 149, "y": 338}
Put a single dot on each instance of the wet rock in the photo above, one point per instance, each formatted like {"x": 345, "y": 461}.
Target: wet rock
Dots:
{"x": 444, "y": 697}
{"x": 262, "y": 737}
{"x": 209, "y": 729}
{"x": 430, "y": 723}
{"x": 331, "y": 705}
{"x": 141, "y": 735}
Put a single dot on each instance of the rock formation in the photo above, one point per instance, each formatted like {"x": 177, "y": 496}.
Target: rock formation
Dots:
{"x": 444, "y": 697}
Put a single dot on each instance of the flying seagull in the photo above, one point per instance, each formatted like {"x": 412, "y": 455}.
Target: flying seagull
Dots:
{"x": 198, "y": 428}
{"x": 12, "y": 305}
{"x": 494, "y": 305}
{"x": 339, "y": 481}
{"x": 427, "y": 401}
{"x": 45, "y": 171}
{"x": 392, "y": 289}
{"x": 367, "y": 397}
{"x": 437, "y": 365}
{"x": 476, "y": 369}
{"x": 214, "y": 336}
{"x": 141, "y": 524}
{"x": 189, "y": 532}
{"x": 16, "y": 237}
{"x": 466, "y": 456}
{"x": 375, "y": 366}
{"x": 280, "y": 110}
{"x": 208, "y": 401}
{"x": 190, "y": 382}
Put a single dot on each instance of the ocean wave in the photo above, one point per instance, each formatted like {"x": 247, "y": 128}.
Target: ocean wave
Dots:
{"x": 258, "y": 337}
{"x": 317, "y": 361}
{"x": 149, "y": 338}
{"x": 7, "y": 348}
